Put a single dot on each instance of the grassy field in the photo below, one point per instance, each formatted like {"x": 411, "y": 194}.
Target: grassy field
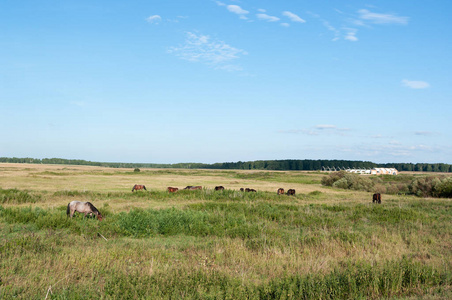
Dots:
{"x": 322, "y": 243}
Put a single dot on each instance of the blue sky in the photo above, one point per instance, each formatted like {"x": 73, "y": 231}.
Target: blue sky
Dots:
{"x": 216, "y": 81}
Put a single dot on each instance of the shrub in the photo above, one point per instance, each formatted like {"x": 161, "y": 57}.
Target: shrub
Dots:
{"x": 444, "y": 188}
{"x": 331, "y": 178}
{"x": 342, "y": 184}
{"x": 422, "y": 187}
{"x": 351, "y": 181}
{"x": 137, "y": 170}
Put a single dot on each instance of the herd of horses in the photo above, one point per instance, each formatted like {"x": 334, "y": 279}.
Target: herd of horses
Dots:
{"x": 87, "y": 208}
{"x": 290, "y": 192}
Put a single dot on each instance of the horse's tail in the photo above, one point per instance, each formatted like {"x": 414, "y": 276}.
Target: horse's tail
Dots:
{"x": 68, "y": 210}
{"x": 144, "y": 188}
{"x": 133, "y": 188}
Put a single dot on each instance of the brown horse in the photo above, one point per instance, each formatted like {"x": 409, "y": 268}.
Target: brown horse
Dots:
{"x": 219, "y": 188}
{"x": 250, "y": 190}
{"x": 172, "y": 189}
{"x": 137, "y": 187}
{"x": 280, "y": 191}
{"x": 376, "y": 198}
{"x": 82, "y": 207}
{"x": 190, "y": 187}
{"x": 291, "y": 192}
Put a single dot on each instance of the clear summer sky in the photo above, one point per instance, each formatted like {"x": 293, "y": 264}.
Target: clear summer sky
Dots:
{"x": 218, "y": 81}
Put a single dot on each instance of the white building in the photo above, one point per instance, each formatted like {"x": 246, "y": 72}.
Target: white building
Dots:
{"x": 384, "y": 171}
{"x": 359, "y": 171}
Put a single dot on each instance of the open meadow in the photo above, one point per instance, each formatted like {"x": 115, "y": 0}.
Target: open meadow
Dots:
{"x": 322, "y": 243}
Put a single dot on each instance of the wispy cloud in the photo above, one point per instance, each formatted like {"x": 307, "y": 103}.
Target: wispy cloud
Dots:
{"x": 323, "y": 127}
{"x": 214, "y": 53}
{"x": 293, "y": 17}
{"x": 378, "y": 18}
{"x": 237, "y": 10}
{"x": 351, "y": 37}
{"x": 413, "y": 84}
{"x": 363, "y": 18}
{"x": 155, "y": 19}
{"x": 267, "y": 18}
{"x": 318, "y": 130}
{"x": 394, "y": 149}
{"x": 328, "y": 26}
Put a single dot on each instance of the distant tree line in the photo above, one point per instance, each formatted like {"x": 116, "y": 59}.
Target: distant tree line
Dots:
{"x": 282, "y": 165}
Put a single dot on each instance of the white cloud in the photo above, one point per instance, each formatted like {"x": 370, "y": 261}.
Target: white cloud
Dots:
{"x": 268, "y": 18}
{"x": 328, "y": 26}
{"x": 293, "y": 17}
{"x": 377, "y": 18}
{"x": 351, "y": 35}
{"x": 154, "y": 19}
{"x": 322, "y": 127}
{"x": 285, "y": 24}
{"x": 318, "y": 129}
{"x": 216, "y": 54}
{"x": 415, "y": 84}
{"x": 237, "y": 10}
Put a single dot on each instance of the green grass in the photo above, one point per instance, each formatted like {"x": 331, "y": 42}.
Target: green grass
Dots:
{"x": 206, "y": 244}
{"x": 17, "y": 197}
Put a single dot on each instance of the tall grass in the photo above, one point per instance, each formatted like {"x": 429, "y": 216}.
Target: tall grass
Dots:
{"x": 17, "y": 197}
{"x": 223, "y": 244}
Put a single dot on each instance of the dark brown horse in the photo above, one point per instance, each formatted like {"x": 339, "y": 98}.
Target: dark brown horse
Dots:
{"x": 376, "y": 198}
{"x": 280, "y": 191}
{"x": 172, "y": 189}
{"x": 138, "y": 187}
{"x": 190, "y": 187}
{"x": 250, "y": 190}
{"x": 241, "y": 189}
{"x": 291, "y": 192}
{"x": 219, "y": 188}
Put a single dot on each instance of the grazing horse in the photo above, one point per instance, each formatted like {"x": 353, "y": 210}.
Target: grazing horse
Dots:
{"x": 137, "y": 187}
{"x": 190, "y": 187}
{"x": 376, "y": 198}
{"x": 82, "y": 207}
{"x": 219, "y": 188}
{"x": 280, "y": 191}
{"x": 172, "y": 189}
{"x": 291, "y": 192}
{"x": 241, "y": 189}
{"x": 250, "y": 190}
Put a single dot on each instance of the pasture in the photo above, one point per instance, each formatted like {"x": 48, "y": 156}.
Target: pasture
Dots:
{"x": 321, "y": 243}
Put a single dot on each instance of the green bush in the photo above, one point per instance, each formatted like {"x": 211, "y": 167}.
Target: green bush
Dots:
{"x": 444, "y": 188}
{"x": 432, "y": 186}
{"x": 354, "y": 182}
{"x": 331, "y": 178}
